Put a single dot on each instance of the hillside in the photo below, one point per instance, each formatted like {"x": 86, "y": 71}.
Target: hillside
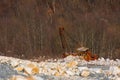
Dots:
{"x": 29, "y": 28}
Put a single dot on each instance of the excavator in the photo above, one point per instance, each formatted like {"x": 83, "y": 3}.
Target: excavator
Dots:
{"x": 83, "y": 52}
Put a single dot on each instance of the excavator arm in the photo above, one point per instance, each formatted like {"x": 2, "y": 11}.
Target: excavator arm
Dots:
{"x": 63, "y": 40}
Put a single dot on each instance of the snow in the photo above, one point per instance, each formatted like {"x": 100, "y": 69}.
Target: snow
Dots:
{"x": 69, "y": 68}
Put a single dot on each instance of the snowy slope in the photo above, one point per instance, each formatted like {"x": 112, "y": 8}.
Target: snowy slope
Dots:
{"x": 69, "y": 68}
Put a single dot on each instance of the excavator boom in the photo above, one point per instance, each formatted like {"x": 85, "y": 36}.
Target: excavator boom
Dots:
{"x": 63, "y": 40}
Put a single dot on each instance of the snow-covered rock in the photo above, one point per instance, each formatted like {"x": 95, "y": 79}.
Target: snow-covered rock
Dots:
{"x": 71, "y": 58}
{"x": 82, "y": 68}
{"x": 14, "y": 63}
{"x": 38, "y": 78}
{"x": 85, "y": 73}
{"x": 114, "y": 70}
{"x": 17, "y": 78}
{"x": 70, "y": 73}
{"x": 96, "y": 70}
{"x": 70, "y": 66}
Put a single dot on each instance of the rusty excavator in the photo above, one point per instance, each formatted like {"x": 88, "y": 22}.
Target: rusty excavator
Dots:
{"x": 83, "y": 52}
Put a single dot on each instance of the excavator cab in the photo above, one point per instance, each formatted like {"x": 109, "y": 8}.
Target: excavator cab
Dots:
{"x": 86, "y": 53}
{"x": 82, "y": 51}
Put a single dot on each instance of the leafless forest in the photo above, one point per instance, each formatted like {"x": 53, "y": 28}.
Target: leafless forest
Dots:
{"x": 30, "y": 28}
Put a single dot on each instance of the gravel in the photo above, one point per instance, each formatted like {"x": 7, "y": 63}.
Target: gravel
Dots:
{"x": 97, "y": 71}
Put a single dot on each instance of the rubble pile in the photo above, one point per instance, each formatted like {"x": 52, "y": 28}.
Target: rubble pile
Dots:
{"x": 69, "y": 68}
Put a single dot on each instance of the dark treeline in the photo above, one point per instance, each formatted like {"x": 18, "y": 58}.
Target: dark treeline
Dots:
{"x": 30, "y": 27}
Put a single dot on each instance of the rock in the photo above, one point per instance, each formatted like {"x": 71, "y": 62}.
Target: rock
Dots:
{"x": 14, "y": 63}
{"x": 38, "y": 78}
{"x": 51, "y": 72}
{"x": 81, "y": 57}
{"x": 85, "y": 73}
{"x": 35, "y": 70}
{"x": 72, "y": 64}
{"x": 63, "y": 69}
{"x": 19, "y": 69}
{"x": 118, "y": 78}
{"x": 114, "y": 70}
{"x": 31, "y": 69}
{"x": 71, "y": 58}
{"x": 57, "y": 74}
{"x": 96, "y": 70}
{"x": 18, "y": 78}
{"x": 82, "y": 68}
{"x": 101, "y": 59}
{"x": 70, "y": 73}
{"x": 31, "y": 65}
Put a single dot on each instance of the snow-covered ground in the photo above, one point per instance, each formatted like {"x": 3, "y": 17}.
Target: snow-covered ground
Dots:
{"x": 69, "y": 68}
